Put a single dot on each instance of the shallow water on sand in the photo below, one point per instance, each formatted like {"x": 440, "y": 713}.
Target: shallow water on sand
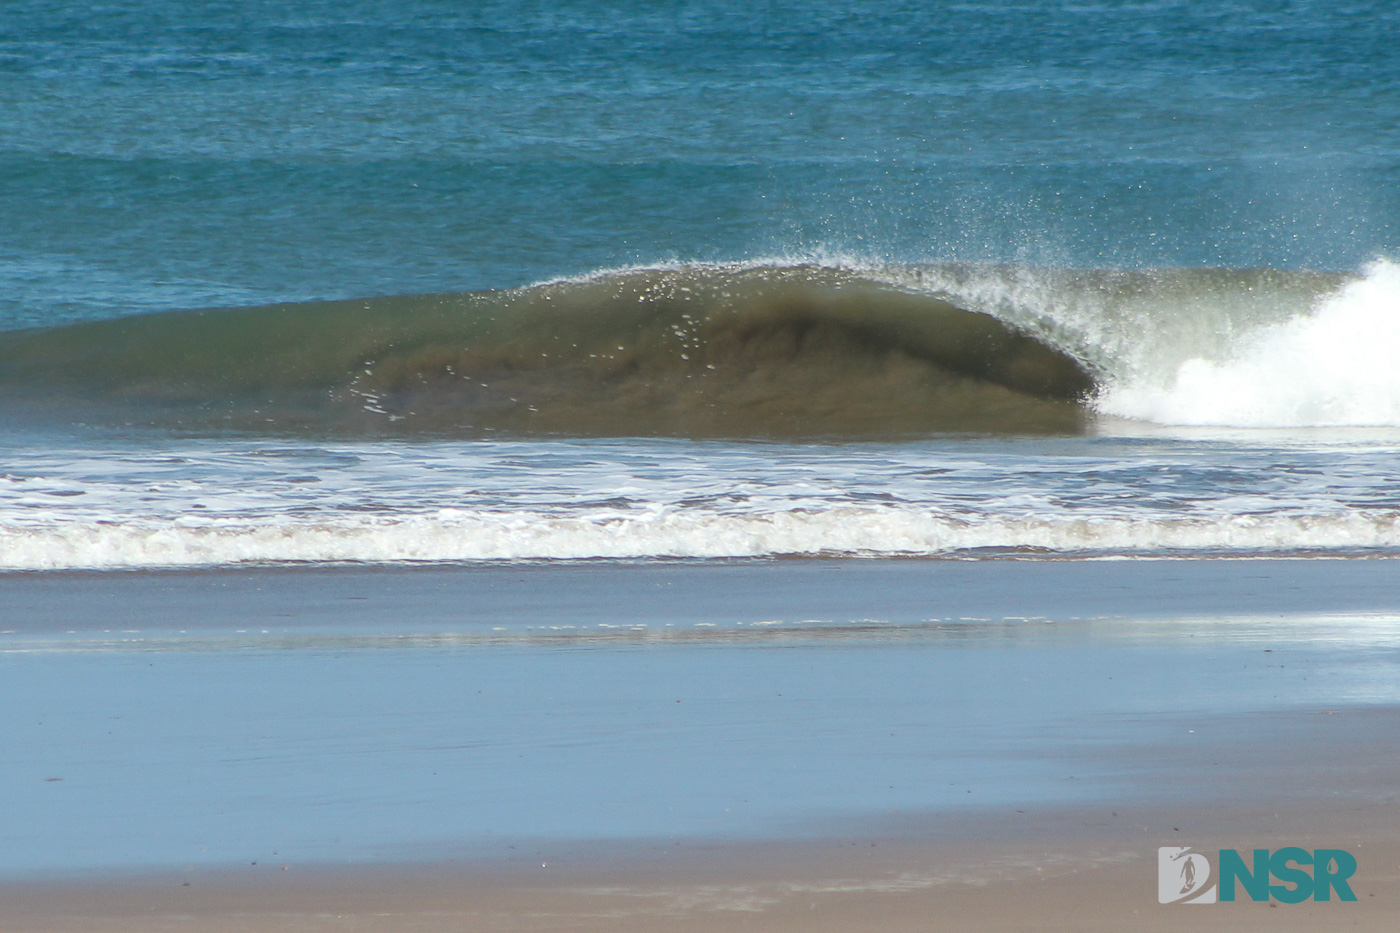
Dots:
{"x": 352, "y": 716}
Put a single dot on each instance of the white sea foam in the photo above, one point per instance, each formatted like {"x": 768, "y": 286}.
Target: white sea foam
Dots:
{"x": 1336, "y": 366}
{"x": 152, "y": 501}
{"x": 453, "y": 535}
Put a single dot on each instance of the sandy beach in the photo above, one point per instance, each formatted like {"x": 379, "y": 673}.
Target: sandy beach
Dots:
{"x": 1089, "y": 869}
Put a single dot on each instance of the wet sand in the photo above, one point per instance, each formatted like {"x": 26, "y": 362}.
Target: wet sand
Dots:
{"x": 1087, "y": 869}
{"x": 1043, "y": 727}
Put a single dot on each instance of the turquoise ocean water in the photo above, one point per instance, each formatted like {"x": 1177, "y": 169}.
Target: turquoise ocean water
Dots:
{"x": 170, "y": 155}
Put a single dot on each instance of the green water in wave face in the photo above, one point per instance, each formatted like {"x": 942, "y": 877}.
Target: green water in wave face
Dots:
{"x": 689, "y": 352}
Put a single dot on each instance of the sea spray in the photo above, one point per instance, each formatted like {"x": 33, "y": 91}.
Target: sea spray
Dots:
{"x": 1333, "y": 366}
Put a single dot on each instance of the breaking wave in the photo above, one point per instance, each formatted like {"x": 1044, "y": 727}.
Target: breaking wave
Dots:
{"x": 758, "y": 349}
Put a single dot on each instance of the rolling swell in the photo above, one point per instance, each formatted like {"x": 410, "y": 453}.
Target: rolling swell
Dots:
{"x": 741, "y": 351}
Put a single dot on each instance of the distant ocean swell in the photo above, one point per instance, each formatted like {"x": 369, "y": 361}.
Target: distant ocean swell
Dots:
{"x": 465, "y": 535}
{"x": 758, "y": 349}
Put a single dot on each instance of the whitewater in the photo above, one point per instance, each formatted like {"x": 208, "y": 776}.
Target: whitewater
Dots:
{"x": 201, "y": 503}
{"x": 1332, "y": 366}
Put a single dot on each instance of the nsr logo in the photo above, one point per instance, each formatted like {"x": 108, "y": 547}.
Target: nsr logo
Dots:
{"x": 1183, "y": 876}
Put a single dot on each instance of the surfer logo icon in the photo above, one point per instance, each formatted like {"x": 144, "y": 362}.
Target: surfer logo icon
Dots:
{"x": 1182, "y": 876}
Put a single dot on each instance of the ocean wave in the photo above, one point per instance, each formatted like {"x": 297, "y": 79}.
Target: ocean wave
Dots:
{"x": 467, "y": 535}
{"x": 745, "y": 350}
{"x": 780, "y": 348}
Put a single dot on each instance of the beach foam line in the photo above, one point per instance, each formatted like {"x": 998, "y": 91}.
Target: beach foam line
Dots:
{"x": 463, "y": 535}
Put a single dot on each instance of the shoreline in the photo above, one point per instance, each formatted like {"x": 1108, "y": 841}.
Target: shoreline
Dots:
{"x": 362, "y": 597}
